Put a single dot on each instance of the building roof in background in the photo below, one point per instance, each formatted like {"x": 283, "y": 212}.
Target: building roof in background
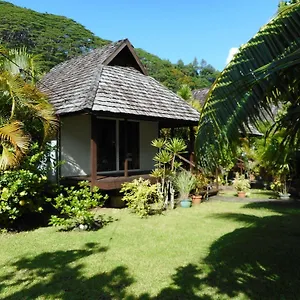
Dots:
{"x": 200, "y": 95}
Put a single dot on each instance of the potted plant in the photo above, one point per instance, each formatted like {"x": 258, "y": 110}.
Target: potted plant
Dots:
{"x": 201, "y": 182}
{"x": 184, "y": 182}
{"x": 241, "y": 184}
{"x": 279, "y": 185}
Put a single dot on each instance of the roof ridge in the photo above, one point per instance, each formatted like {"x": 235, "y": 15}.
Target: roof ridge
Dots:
{"x": 80, "y": 56}
{"x": 95, "y": 86}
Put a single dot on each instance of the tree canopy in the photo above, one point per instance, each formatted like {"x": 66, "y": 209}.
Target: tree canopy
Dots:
{"x": 54, "y": 38}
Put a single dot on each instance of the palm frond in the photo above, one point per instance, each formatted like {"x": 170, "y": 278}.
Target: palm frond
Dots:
{"x": 14, "y": 144}
{"x": 265, "y": 71}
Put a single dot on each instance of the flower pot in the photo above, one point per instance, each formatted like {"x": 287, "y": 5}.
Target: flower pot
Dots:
{"x": 186, "y": 203}
{"x": 241, "y": 194}
{"x": 285, "y": 196}
{"x": 196, "y": 199}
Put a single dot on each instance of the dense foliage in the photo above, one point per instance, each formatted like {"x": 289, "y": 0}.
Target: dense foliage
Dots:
{"x": 195, "y": 75}
{"x": 55, "y": 39}
{"x": 24, "y": 191}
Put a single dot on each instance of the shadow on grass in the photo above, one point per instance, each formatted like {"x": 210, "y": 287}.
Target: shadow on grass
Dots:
{"x": 259, "y": 261}
{"x": 57, "y": 275}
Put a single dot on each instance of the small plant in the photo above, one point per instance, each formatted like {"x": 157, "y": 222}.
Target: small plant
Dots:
{"x": 184, "y": 182}
{"x": 280, "y": 187}
{"x": 74, "y": 206}
{"x": 200, "y": 184}
{"x": 142, "y": 197}
{"x": 240, "y": 183}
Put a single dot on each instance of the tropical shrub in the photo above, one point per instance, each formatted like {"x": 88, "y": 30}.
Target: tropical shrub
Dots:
{"x": 74, "y": 206}
{"x": 21, "y": 191}
{"x": 142, "y": 197}
{"x": 25, "y": 190}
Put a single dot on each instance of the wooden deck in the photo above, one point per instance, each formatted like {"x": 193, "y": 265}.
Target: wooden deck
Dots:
{"x": 108, "y": 183}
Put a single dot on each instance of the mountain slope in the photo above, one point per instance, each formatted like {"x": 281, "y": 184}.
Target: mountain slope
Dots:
{"x": 56, "y": 38}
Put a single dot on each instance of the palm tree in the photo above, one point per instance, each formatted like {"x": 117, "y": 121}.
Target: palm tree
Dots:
{"x": 263, "y": 73}
{"x": 25, "y": 114}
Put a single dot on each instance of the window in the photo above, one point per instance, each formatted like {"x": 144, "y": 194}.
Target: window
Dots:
{"x": 113, "y": 138}
{"x": 131, "y": 140}
{"x": 106, "y": 145}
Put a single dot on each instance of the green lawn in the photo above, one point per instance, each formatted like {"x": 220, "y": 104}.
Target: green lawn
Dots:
{"x": 217, "y": 250}
{"x": 252, "y": 194}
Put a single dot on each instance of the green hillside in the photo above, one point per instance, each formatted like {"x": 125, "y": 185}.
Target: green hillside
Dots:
{"x": 56, "y": 38}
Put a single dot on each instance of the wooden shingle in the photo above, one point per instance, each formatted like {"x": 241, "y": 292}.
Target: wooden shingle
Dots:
{"x": 91, "y": 82}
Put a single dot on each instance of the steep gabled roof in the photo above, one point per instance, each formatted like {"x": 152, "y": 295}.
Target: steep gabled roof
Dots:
{"x": 100, "y": 81}
{"x": 125, "y": 90}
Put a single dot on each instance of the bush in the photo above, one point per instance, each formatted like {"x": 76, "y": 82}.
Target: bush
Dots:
{"x": 142, "y": 198}
{"x": 24, "y": 190}
{"x": 74, "y": 206}
{"x": 21, "y": 191}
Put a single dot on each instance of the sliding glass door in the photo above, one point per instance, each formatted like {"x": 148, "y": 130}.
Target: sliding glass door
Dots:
{"x": 106, "y": 145}
{"x": 129, "y": 137}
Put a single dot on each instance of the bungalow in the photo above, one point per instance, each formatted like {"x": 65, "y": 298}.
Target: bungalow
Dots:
{"x": 110, "y": 111}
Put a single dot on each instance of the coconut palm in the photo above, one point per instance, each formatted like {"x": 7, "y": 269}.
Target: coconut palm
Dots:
{"x": 25, "y": 113}
{"x": 265, "y": 72}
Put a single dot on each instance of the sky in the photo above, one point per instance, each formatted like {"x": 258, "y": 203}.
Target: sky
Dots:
{"x": 170, "y": 29}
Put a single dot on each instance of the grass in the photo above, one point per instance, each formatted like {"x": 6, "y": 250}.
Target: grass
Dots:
{"x": 216, "y": 250}
{"x": 252, "y": 194}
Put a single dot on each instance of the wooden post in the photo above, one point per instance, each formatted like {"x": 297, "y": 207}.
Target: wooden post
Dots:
{"x": 172, "y": 132}
{"x": 192, "y": 147}
{"x": 93, "y": 150}
{"x": 126, "y": 149}
{"x": 58, "y": 153}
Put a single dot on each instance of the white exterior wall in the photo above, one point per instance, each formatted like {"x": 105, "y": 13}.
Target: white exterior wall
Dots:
{"x": 75, "y": 145}
{"x": 148, "y": 132}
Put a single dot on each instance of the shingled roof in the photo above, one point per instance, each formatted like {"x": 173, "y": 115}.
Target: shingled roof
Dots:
{"x": 94, "y": 82}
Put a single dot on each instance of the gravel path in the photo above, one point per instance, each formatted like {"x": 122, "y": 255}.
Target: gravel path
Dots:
{"x": 249, "y": 200}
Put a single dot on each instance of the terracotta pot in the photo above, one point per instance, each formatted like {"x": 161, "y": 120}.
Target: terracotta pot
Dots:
{"x": 196, "y": 199}
{"x": 241, "y": 194}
